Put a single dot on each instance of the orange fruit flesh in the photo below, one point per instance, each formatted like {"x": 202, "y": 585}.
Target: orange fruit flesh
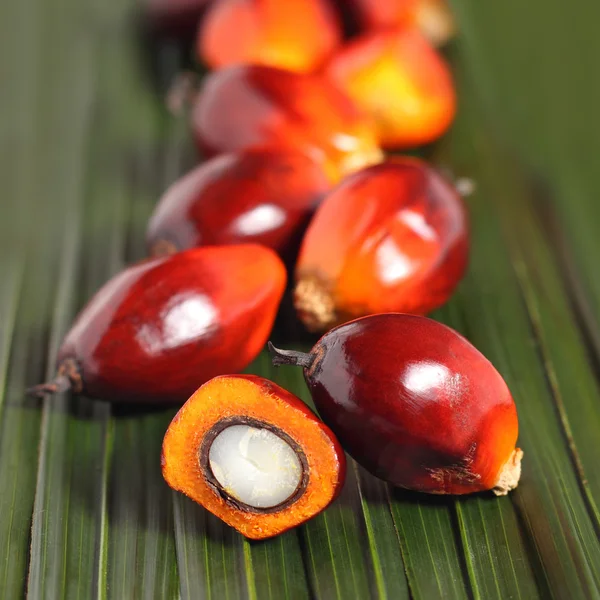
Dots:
{"x": 252, "y": 397}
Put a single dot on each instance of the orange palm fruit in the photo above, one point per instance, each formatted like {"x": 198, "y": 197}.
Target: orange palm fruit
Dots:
{"x": 248, "y": 106}
{"x": 432, "y": 17}
{"x": 390, "y": 238}
{"x": 401, "y": 81}
{"x": 253, "y": 454}
{"x": 296, "y": 34}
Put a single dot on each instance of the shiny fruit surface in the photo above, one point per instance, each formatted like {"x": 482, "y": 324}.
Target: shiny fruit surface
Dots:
{"x": 391, "y": 238}
{"x": 296, "y": 34}
{"x": 247, "y": 106}
{"x": 416, "y": 404}
{"x": 248, "y": 400}
{"x": 263, "y": 196}
{"x": 162, "y": 327}
{"x": 401, "y": 81}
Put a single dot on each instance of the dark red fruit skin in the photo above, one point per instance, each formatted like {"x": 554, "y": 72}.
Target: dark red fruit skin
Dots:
{"x": 409, "y": 399}
{"x": 263, "y": 196}
{"x": 161, "y": 328}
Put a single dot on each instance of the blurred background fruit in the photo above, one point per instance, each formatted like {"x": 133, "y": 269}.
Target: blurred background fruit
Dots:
{"x": 401, "y": 82}
{"x": 295, "y": 34}
{"x": 246, "y": 106}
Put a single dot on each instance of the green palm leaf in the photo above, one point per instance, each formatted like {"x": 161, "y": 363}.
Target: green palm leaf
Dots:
{"x": 87, "y": 148}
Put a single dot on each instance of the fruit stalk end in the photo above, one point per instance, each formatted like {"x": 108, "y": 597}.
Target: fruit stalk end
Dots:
{"x": 289, "y": 357}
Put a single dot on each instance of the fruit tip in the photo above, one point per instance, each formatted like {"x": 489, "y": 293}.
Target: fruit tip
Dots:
{"x": 60, "y": 384}
{"x": 314, "y": 304}
{"x": 436, "y": 21}
{"x": 182, "y": 93}
{"x": 161, "y": 248}
{"x": 465, "y": 186}
{"x": 509, "y": 476}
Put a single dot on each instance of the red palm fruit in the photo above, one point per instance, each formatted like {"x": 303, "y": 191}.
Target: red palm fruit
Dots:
{"x": 390, "y": 238}
{"x": 432, "y": 17}
{"x": 160, "y": 328}
{"x": 415, "y": 403}
{"x": 296, "y": 34}
{"x": 263, "y": 196}
{"x": 401, "y": 81}
{"x": 254, "y": 455}
{"x": 246, "y": 106}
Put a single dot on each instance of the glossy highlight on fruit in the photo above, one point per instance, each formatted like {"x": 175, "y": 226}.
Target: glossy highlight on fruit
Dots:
{"x": 401, "y": 81}
{"x": 432, "y": 17}
{"x": 263, "y": 196}
{"x": 295, "y": 34}
{"x": 391, "y": 238}
{"x": 162, "y": 327}
{"x": 254, "y": 455}
{"x": 247, "y": 106}
{"x": 415, "y": 403}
